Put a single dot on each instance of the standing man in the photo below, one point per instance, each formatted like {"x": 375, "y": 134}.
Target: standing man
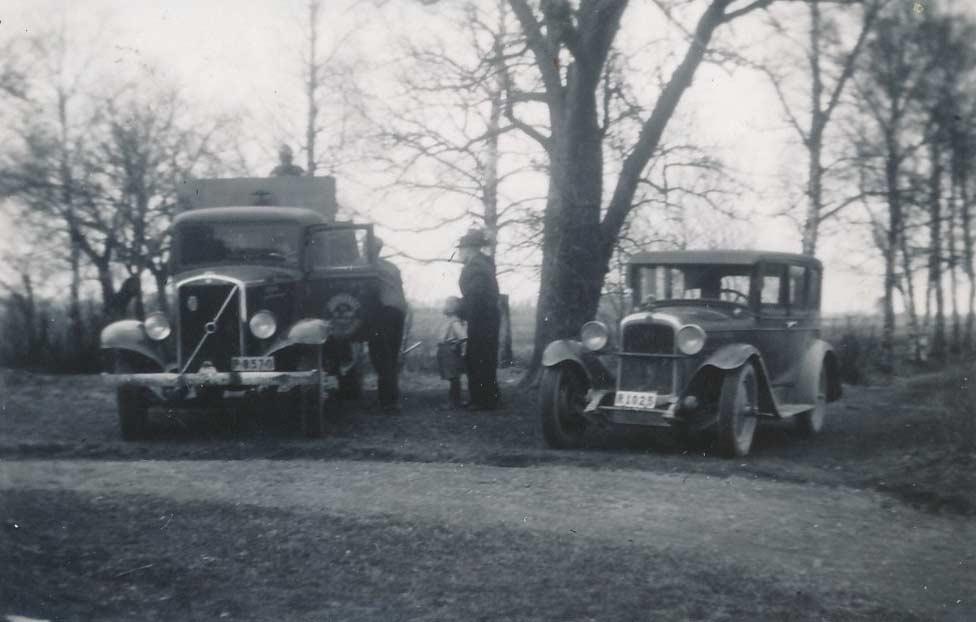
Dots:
{"x": 286, "y": 167}
{"x": 386, "y": 336}
{"x": 479, "y": 308}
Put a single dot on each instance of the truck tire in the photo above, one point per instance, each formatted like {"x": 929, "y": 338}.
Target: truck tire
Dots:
{"x": 810, "y": 423}
{"x": 133, "y": 407}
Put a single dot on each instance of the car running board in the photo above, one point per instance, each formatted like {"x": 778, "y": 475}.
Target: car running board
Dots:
{"x": 790, "y": 410}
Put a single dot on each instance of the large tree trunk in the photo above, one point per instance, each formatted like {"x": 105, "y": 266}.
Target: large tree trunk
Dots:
{"x": 574, "y": 264}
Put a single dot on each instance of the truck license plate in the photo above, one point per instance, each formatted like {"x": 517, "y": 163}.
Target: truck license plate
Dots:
{"x": 252, "y": 363}
{"x": 639, "y": 400}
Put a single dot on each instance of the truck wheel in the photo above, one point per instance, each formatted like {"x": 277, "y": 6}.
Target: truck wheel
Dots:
{"x": 311, "y": 409}
{"x": 811, "y": 422}
{"x": 737, "y": 407}
{"x": 133, "y": 406}
{"x": 562, "y": 396}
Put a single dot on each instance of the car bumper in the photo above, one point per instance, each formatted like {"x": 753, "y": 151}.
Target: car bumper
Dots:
{"x": 226, "y": 380}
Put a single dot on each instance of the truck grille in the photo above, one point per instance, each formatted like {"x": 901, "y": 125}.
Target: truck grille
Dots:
{"x": 199, "y": 304}
{"x": 648, "y": 339}
{"x": 641, "y": 373}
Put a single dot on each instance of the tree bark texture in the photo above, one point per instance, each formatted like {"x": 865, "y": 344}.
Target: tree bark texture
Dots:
{"x": 935, "y": 252}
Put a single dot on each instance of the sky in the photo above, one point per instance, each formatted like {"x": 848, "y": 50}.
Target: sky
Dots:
{"x": 244, "y": 56}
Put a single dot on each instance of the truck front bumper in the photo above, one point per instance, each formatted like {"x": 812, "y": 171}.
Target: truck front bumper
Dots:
{"x": 239, "y": 380}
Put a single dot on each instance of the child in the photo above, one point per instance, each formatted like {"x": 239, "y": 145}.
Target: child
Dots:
{"x": 450, "y": 349}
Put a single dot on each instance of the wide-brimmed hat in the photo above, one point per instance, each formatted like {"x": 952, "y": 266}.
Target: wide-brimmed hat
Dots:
{"x": 475, "y": 238}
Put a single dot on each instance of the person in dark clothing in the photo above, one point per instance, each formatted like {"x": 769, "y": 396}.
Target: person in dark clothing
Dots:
{"x": 386, "y": 336}
{"x": 286, "y": 167}
{"x": 479, "y": 308}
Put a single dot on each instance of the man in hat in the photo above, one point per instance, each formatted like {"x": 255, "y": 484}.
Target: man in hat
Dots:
{"x": 479, "y": 308}
{"x": 285, "y": 166}
{"x": 385, "y": 339}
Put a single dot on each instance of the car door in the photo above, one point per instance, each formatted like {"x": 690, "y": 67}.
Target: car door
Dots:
{"x": 803, "y": 322}
{"x": 773, "y": 321}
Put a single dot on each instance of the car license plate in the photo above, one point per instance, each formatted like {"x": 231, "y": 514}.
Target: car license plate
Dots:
{"x": 252, "y": 363}
{"x": 640, "y": 400}
{"x": 330, "y": 383}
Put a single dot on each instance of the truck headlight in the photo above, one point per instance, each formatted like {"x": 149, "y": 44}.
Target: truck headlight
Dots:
{"x": 691, "y": 339}
{"x": 263, "y": 324}
{"x": 594, "y": 336}
{"x": 157, "y": 326}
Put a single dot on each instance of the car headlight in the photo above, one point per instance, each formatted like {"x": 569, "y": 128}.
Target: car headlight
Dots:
{"x": 263, "y": 324}
{"x": 594, "y": 336}
{"x": 691, "y": 339}
{"x": 157, "y": 326}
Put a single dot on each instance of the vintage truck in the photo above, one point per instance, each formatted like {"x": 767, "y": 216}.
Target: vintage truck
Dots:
{"x": 717, "y": 342}
{"x": 271, "y": 297}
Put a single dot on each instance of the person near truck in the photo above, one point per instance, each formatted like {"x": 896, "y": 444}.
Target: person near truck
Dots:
{"x": 286, "y": 167}
{"x": 479, "y": 308}
{"x": 386, "y": 336}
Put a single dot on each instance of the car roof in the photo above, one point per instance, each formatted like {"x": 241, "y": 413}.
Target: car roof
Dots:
{"x": 726, "y": 257}
{"x": 262, "y": 213}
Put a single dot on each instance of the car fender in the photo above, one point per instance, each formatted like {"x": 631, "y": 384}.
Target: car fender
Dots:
{"x": 808, "y": 376}
{"x": 731, "y": 357}
{"x": 131, "y": 336}
{"x": 569, "y": 351}
{"x": 311, "y": 332}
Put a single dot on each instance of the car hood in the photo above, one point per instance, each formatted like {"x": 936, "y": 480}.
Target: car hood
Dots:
{"x": 249, "y": 275}
{"x": 691, "y": 314}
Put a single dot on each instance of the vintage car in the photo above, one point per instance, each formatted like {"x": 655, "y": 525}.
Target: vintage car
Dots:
{"x": 717, "y": 341}
{"x": 268, "y": 300}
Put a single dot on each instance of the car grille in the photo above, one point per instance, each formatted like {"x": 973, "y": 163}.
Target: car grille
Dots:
{"x": 648, "y": 339}
{"x": 641, "y": 373}
{"x": 199, "y": 304}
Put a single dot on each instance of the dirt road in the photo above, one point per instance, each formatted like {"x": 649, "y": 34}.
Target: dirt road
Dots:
{"x": 447, "y": 516}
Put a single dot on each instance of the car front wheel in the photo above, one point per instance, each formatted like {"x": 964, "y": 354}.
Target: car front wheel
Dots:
{"x": 562, "y": 395}
{"x": 738, "y": 404}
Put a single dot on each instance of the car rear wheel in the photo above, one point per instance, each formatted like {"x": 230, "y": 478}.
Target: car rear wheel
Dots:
{"x": 133, "y": 406}
{"x": 812, "y": 422}
{"x": 562, "y": 395}
{"x": 738, "y": 404}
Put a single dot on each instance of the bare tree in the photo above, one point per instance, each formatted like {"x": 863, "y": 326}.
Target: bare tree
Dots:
{"x": 570, "y": 45}
{"x": 831, "y": 64}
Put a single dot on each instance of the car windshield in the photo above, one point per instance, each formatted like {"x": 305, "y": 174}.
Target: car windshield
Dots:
{"x": 727, "y": 283}
{"x": 248, "y": 243}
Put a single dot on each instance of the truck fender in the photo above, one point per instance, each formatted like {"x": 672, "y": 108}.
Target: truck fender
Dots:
{"x": 708, "y": 375}
{"x": 820, "y": 353}
{"x": 129, "y": 335}
{"x": 572, "y": 352}
{"x": 311, "y": 332}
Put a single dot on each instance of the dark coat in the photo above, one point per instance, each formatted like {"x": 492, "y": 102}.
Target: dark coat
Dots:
{"x": 479, "y": 290}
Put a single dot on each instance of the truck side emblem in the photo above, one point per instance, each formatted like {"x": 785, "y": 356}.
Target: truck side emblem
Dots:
{"x": 343, "y": 310}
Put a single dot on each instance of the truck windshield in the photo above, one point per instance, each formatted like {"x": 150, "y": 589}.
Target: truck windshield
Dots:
{"x": 728, "y": 283}
{"x": 248, "y": 243}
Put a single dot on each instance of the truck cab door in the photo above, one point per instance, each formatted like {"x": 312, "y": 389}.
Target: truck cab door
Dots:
{"x": 341, "y": 278}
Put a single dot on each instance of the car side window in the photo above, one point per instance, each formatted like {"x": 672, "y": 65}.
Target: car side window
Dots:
{"x": 774, "y": 290}
{"x": 798, "y": 288}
